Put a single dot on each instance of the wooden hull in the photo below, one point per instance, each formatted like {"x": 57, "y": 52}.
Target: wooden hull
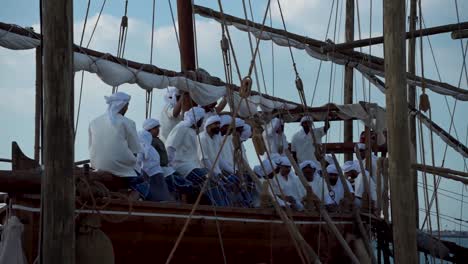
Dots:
{"x": 150, "y": 232}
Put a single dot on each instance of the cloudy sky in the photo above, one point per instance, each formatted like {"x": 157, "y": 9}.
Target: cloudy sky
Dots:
{"x": 306, "y": 17}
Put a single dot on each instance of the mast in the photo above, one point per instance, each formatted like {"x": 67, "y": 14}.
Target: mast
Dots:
{"x": 58, "y": 186}
{"x": 348, "y": 81}
{"x": 403, "y": 203}
{"x": 412, "y": 102}
{"x": 186, "y": 42}
{"x": 38, "y": 110}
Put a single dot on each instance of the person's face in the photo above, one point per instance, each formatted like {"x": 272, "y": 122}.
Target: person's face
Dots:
{"x": 333, "y": 178}
{"x": 285, "y": 170}
{"x": 154, "y": 131}
{"x": 271, "y": 175}
{"x": 306, "y": 126}
{"x": 239, "y": 130}
{"x": 362, "y": 153}
{"x": 308, "y": 173}
{"x": 199, "y": 123}
{"x": 124, "y": 110}
{"x": 351, "y": 174}
{"x": 225, "y": 130}
{"x": 214, "y": 128}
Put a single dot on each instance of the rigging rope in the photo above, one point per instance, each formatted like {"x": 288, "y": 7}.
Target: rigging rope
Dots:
{"x": 122, "y": 38}
{"x": 149, "y": 93}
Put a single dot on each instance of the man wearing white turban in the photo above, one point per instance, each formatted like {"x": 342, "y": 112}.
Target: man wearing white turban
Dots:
{"x": 113, "y": 139}
{"x": 319, "y": 187}
{"x": 337, "y": 189}
{"x": 287, "y": 183}
{"x": 210, "y": 144}
{"x": 302, "y": 145}
{"x": 171, "y": 114}
{"x": 363, "y": 153}
{"x": 274, "y": 137}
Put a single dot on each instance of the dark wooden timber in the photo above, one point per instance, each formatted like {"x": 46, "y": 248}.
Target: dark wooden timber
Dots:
{"x": 459, "y": 34}
{"x": 412, "y": 32}
{"x": 403, "y": 203}
{"x": 38, "y": 102}
{"x": 58, "y": 185}
{"x": 435, "y": 170}
{"x": 187, "y": 50}
{"x": 349, "y": 76}
{"x": 412, "y": 99}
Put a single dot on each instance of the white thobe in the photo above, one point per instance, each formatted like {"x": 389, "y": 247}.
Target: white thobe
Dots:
{"x": 168, "y": 121}
{"x": 149, "y": 162}
{"x": 112, "y": 147}
{"x": 208, "y": 149}
{"x": 274, "y": 142}
{"x": 320, "y": 188}
{"x": 290, "y": 187}
{"x": 227, "y": 155}
{"x": 359, "y": 186}
{"x": 303, "y": 144}
{"x": 181, "y": 145}
{"x": 339, "y": 191}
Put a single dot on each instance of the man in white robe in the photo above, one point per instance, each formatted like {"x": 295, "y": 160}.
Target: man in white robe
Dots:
{"x": 274, "y": 137}
{"x": 213, "y": 109}
{"x": 287, "y": 183}
{"x": 172, "y": 113}
{"x": 360, "y": 185}
{"x": 210, "y": 144}
{"x": 318, "y": 185}
{"x": 337, "y": 189}
{"x": 113, "y": 139}
{"x": 363, "y": 153}
{"x": 265, "y": 172}
{"x": 302, "y": 145}
{"x": 227, "y": 154}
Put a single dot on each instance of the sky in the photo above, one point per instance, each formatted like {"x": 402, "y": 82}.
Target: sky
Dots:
{"x": 305, "y": 17}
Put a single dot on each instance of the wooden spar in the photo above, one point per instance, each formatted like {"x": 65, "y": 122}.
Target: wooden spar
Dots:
{"x": 58, "y": 185}
{"x": 348, "y": 82}
{"x": 403, "y": 203}
{"x": 459, "y": 34}
{"x": 38, "y": 114}
{"x": 373, "y": 63}
{"x": 412, "y": 100}
{"x": 436, "y": 170}
{"x": 408, "y": 35}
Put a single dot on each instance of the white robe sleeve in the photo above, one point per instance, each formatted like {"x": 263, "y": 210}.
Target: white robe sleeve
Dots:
{"x": 132, "y": 137}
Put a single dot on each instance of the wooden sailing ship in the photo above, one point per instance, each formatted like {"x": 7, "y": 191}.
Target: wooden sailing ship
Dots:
{"x": 214, "y": 235}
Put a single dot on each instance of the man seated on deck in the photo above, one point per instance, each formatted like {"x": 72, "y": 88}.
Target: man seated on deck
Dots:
{"x": 337, "y": 189}
{"x": 227, "y": 153}
{"x": 264, "y": 195}
{"x": 288, "y": 184}
{"x": 148, "y": 163}
{"x": 176, "y": 184}
{"x": 318, "y": 185}
{"x": 362, "y": 188}
{"x": 213, "y": 109}
{"x": 113, "y": 140}
{"x": 182, "y": 150}
{"x": 302, "y": 143}
{"x": 274, "y": 137}
{"x": 363, "y": 151}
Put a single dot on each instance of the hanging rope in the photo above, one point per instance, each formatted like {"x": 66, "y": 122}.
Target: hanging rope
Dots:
{"x": 149, "y": 93}
{"x": 122, "y": 38}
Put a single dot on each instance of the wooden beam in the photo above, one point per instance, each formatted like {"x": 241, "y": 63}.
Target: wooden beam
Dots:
{"x": 58, "y": 185}
{"x": 349, "y": 76}
{"x": 412, "y": 99}
{"x": 403, "y": 203}
{"x": 459, "y": 34}
{"x": 410, "y": 34}
{"x": 436, "y": 170}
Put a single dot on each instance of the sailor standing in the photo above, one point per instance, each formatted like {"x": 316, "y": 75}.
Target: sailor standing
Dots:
{"x": 302, "y": 145}
{"x": 171, "y": 114}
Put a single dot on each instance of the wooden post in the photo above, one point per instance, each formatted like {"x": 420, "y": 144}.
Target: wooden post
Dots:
{"x": 38, "y": 114}
{"x": 58, "y": 186}
{"x": 412, "y": 102}
{"x": 348, "y": 82}
{"x": 403, "y": 203}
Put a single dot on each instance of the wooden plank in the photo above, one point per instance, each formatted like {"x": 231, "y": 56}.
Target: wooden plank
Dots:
{"x": 349, "y": 76}
{"x": 58, "y": 186}
{"x": 459, "y": 34}
{"x": 403, "y": 203}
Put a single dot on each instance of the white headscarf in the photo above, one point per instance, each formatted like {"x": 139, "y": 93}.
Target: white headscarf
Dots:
{"x": 311, "y": 163}
{"x": 192, "y": 116}
{"x": 211, "y": 120}
{"x": 170, "y": 96}
{"x": 329, "y": 159}
{"x": 116, "y": 102}
{"x": 351, "y": 165}
{"x": 239, "y": 122}
{"x": 246, "y": 133}
{"x": 306, "y": 118}
{"x": 274, "y": 125}
{"x": 145, "y": 141}
{"x": 150, "y": 123}
{"x": 267, "y": 165}
{"x": 276, "y": 158}
{"x": 225, "y": 120}
{"x": 332, "y": 169}
{"x": 284, "y": 161}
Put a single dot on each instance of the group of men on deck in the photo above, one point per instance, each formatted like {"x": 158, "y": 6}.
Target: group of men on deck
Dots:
{"x": 198, "y": 152}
